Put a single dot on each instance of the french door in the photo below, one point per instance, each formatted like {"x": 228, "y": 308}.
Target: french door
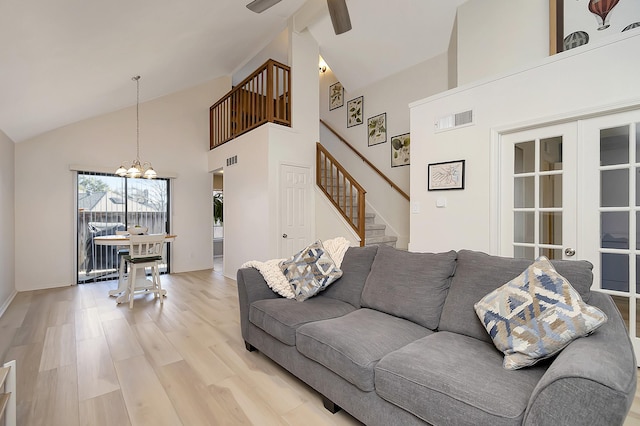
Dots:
{"x": 572, "y": 191}
{"x": 108, "y": 204}
{"x": 538, "y": 193}
{"x": 611, "y": 175}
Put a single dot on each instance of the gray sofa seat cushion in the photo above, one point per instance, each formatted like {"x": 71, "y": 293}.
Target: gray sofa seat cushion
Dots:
{"x": 281, "y": 317}
{"x": 477, "y": 274}
{"x": 450, "y": 379}
{"x": 355, "y": 266}
{"x": 409, "y": 285}
{"x": 351, "y": 345}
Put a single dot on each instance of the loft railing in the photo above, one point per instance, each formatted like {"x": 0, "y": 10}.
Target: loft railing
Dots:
{"x": 369, "y": 163}
{"x": 263, "y": 97}
{"x": 341, "y": 188}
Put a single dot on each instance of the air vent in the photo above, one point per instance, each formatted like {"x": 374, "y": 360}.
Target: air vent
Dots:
{"x": 232, "y": 160}
{"x": 453, "y": 121}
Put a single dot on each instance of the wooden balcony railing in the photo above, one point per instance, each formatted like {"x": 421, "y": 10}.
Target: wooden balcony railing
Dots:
{"x": 263, "y": 97}
{"x": 341, "y": 188}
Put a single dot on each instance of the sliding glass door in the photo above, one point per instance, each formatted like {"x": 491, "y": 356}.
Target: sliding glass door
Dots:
{"x": 108, "y": 204}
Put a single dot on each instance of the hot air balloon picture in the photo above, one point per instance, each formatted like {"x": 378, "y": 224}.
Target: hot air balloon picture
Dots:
{"x": 601, "y": 9}
{"x": 583, "y": 22}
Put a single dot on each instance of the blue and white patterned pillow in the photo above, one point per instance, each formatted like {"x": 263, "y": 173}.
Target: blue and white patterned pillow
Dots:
{"x": 535, "y": 315}
{"x": 310, "y": 271}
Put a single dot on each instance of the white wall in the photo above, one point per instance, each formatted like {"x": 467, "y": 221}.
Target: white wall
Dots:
{"x": 252, "y": 186}
{"x": 174, "y": 136}
{"x": 7, "y": 214}
{"x": 563, "y": 85}
{"x": 391, "y": 95}
{"x": 499, "y": 35}
{"x": 277, "y": 49}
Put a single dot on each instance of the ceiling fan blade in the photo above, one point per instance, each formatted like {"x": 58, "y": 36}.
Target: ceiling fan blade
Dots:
{"x": 339, "y": 16}
{"x": 259, "y": 6}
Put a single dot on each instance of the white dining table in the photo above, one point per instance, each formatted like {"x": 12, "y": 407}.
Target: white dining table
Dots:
{"x": 123, "y": 240}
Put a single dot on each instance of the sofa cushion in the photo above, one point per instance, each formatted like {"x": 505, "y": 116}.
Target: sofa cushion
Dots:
{"x": 310, "y": 271}
{"x": 281, "y": 317}
{"x": 355, "y": 266}
{"x": 409, "y": 285}
{"x": 478, "y": 273}
{"x": 451, "y": 379}
{"x": 535, "y": 315}
{"x": 351, "y": 345}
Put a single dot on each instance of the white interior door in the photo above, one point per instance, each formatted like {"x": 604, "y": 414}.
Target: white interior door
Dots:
{"x": 538, "y": 193}
{"x": 295, "y": 203}
{"x": 610, "y": 181}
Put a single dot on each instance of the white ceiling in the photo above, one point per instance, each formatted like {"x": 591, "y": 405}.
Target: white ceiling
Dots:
{"x": 66, "y": 60}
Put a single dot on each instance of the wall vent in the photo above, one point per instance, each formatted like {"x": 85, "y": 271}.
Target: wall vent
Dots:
{"x": 453, "y": 121}
{"x": 232, "y": 160}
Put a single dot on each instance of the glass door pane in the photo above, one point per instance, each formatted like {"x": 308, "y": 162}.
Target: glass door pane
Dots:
{"x": 537, "y": 192}
{"x": 108, "y": 204}
{"x": 538, "y": 197}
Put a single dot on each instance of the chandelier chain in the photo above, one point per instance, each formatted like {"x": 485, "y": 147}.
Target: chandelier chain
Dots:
{"x": 137, "y": 80}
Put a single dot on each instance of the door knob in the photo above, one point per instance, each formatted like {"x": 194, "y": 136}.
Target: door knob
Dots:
{"x": 284, "y": 235}
{"x": 569, "y": 251}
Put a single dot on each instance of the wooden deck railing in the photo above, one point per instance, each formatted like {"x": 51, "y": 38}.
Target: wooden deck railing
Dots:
{"x": 341, "y": 188}
{"x": 369, "y": 163}
{"x": 263, "y": 97}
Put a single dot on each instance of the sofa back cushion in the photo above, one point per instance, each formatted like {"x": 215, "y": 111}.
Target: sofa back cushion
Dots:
{"x": 409, "y": 285}
{"x": 355, "y": 266}
{"x": 477, "y": 274}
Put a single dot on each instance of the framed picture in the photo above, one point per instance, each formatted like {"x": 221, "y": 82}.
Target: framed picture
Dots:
{"x": 573, "y": 23}
{"x": 400, "y": 150}
{"x": 354, "y": 112}
{"x": 336, "y": 96}
{"x": 447, "y": 175}
{"x": 377, "y": 128}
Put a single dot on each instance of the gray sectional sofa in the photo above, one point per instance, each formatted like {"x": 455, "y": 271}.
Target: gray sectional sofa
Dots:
{"x": 396, "y": 341}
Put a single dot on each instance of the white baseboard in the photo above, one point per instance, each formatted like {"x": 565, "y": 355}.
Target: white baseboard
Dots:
{"x": 6, "y": 304}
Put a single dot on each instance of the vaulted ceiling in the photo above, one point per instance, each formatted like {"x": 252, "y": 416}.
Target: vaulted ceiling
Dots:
{"x": 66, "y": 60}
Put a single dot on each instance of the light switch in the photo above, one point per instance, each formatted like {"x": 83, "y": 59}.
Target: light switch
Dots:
{"x": 415, "y": 207}
{"x": 441, "y": 202}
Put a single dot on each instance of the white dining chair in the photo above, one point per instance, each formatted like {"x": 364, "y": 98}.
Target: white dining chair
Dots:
{"x": 122, "y": 250}
{"x": 145, "y": 251}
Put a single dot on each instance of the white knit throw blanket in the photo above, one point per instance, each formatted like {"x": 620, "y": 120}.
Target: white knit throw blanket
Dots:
{"x": 270, "y": 270}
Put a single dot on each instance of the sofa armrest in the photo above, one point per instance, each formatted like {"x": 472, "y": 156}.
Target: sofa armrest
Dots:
{"x": 251, "y": 287}
{"x": 592, "y": 381}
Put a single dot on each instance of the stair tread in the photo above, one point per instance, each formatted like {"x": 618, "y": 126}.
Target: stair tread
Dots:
{"x": 381, "y": 239}
{"x": 371, "y": 226}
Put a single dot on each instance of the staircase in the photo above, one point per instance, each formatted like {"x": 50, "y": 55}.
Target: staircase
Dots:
{"x": 349, "y": 198}
{"x": 375, "y": 232}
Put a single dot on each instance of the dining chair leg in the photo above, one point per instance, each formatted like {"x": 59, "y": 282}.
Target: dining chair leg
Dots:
{"x": 156, "y": 272}
{"x": 132, "y": 285}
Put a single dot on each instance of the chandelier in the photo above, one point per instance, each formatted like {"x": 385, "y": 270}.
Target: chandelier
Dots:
{"x": 136, "y": 169}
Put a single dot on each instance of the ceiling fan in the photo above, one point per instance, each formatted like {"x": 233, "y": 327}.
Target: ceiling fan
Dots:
{"x": 337, "y": 10}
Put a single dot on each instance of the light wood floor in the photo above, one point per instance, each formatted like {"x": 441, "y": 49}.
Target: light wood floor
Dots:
{"x": 83, "y": 360}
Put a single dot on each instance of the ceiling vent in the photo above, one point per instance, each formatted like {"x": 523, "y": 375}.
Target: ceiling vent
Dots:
{"x": 453, "y": 121}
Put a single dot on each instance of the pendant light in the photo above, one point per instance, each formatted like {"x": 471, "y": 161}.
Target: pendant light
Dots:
{"x": 136, "y": 168}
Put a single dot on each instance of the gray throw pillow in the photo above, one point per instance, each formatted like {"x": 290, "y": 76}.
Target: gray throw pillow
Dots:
{"x": 310, "y": 271}
{"x": 409, "y": 285}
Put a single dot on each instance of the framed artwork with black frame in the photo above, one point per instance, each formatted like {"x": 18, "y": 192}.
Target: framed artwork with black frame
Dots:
{"x": 401, "y": 150}
{"x": 336, "y": 96}
{"x": 446, "y": 175}
{"x": 355, "y": 111}
{"x": 377, "y": 128}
